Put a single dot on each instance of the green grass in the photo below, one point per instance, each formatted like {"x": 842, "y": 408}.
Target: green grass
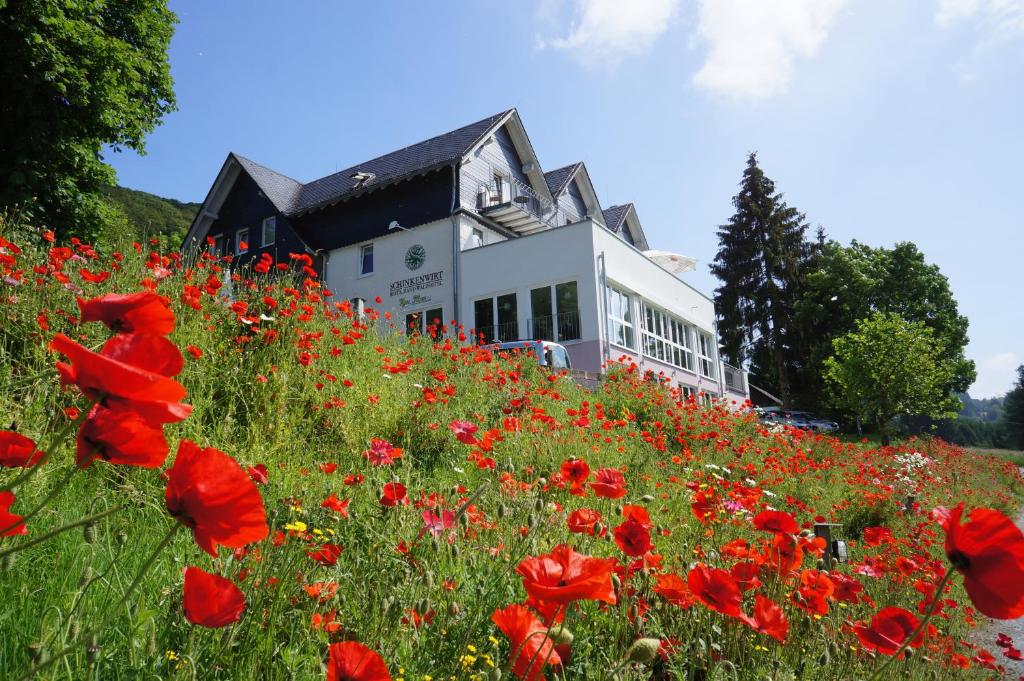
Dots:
{"x": 254, "y": 399}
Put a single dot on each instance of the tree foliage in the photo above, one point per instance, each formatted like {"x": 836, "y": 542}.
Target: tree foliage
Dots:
{"x": 1012, "y": 421}
{"x": 77, "y": 76}
{"x": 889, "y": 367}
{"x": 761, "y": 252}
{"x": 150, "y": 215}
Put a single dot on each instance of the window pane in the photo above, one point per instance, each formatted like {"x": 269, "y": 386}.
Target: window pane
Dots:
{"x": 508, "y": 319}
{"x": 366, "y": 266}
{"x": 541, "y": 311}
{"x": 413, "y": 323}
{"x": 567, "y": 303}
{"x": 269, "y": 231}
{"x": 483, "y": 318}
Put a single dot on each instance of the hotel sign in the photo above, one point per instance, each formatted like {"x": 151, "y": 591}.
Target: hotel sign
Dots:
{"x": 418, "y": 283}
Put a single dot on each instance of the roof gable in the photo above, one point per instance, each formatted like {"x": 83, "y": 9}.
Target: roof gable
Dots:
{"x": 281, "y": 190}
{"x": 559, "y": 179}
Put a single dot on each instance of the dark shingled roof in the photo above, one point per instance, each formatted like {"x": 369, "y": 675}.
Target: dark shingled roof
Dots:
{"x": 615, "y": 216}
{"x": 281, "y": 190}
{"x": 557, "y": 179}
{"x": 431, "y": 154}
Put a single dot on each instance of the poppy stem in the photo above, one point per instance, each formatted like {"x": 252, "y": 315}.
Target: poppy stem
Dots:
{"x": 920, "y": 627}
{"x": 112, "y": 613}
{"x": 40, "y": 539}
{"x": 45, "y": 502}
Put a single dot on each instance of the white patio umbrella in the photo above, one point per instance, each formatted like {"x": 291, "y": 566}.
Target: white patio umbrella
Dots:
{"x": 673, "y": 262}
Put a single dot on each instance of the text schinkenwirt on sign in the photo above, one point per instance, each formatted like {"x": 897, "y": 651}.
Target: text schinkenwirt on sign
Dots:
{"x": 417, "y": 283}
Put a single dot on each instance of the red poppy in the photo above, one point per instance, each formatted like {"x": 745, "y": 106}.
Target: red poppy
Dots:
{"x": 123, "y": 375}
{"x": 339, "y": 506}
{"x": 210, "y": 600}
{"x": 129, "y": 313}
{"x": 352, "y": 661}
{"x": 776, "y": 521}
{"x": 209, "y": 493}
{"x": 784, "y": 554}
{"x": 583, "y": 521}
{"x": 531, "y": 647}
{"x": 747, "y": 574}
{"x": 7, "y": 519}
{"x": 716, "y": 589}
{"x": 382, "y": 452}
{"x": 768, "y": 619}
{"x": 120, "y": 437}
{"x": 564, "y": 576}
{"x": 890, "y": 627}
{"x": 633, "y": 536}
{"x": 847, "y": 588}
{"x": 673, "y": 589}
{"x": 258, "y": 473}
{"x": 575, "y": 472}
{"x": 876, "y": 536}
{"x": 326, "y": 554}
{"x": 394, "y": 494}
{"x": 989, "y": 552}
{"x": 609, "y": 483}
{"x": 815, "y": 589}
{"x": 18, "y": 451}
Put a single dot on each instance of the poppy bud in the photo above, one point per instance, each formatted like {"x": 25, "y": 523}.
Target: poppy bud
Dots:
{"x": 502, "y": 510}
{"x": 7, "y": 562}
{"x": 531, "y": 521}
{"x": 89, "y": 533}
{"x": 618, "y": 510}
{"x": 428, "y": 579}
{"x": 122, "y": 538}
{"x": 455, "y": 550}
{"x": 616, "y": 582}
{"x": 561, "y": 635}
{"x": 647, "y": 498}
{"x": 598, "y": 529}
{"x": 538, "y": 505}
{"x": 464, "y": 520}
{"x": 644, "y": 650}
{"x": 37, "y": 652}
{"x": 85, "y": 577}
{"x": 542, "y": 482}
{"x": 454, "y": 609}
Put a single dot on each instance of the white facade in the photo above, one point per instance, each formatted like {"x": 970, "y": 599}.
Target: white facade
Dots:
{"x": 596, "y": 287}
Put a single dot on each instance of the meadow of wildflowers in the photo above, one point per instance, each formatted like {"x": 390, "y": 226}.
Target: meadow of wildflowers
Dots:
{"x": 262, "y": 485}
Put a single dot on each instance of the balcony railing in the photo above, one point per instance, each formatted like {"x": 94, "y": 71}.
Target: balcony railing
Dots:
{"x": 499, "y": 333}
{"x": 515, "y": 205}
{"x": 564, "y": 326}
{"x": 734, "y": 379}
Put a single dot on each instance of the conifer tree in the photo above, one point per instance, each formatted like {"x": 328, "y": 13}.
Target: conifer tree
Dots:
{"x": 761, "y": 251}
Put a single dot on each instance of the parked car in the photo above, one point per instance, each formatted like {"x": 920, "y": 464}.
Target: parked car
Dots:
{"x": 797, "y": 419}
{"x": 548, "y": 354}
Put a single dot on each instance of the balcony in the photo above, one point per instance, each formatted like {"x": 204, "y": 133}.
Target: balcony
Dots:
{"x": 735, "y": 379}
{"x": 559, "y": 328}
{"x": 515, "y": 206}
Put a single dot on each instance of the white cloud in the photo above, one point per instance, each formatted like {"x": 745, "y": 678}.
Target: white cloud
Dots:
{"x": 607, "y": 30}
{"x": 753, "y": 45}
{"x": 1001, "y": 16}
{"x": 996, "y": 375}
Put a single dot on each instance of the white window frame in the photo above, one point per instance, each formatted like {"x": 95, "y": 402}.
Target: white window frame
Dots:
{"x": 626, "y": 300}
{"x": 362, "y": 259}
{"x": 705, "y": 355}
{"x": 214, "y": 250}
{"x": 242, "y": 236}
{"x": 665, "y": 336}
{"x": 272, "y": 221}
{"x": 476, "y": 237}
{"x": 555, "y": 331}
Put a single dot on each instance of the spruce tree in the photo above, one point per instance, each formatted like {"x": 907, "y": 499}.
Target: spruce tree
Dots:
{"x": 759, "y": 259}
{"x": 1012, "y": 420}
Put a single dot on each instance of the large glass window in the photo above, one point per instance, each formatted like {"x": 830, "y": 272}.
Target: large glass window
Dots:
{"x": 366, "y": 259}
{"x": 555, "y": 312}
{"x": 269, "y": 231}
{"x": 667, "y": 338}
{"x": 620, "y": 318}
{"x": 706, "y": 355}
{"x": 497, "y": 319}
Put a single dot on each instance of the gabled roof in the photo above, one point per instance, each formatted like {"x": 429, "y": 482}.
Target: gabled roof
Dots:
{"x": 559, "y": 178}
{"x": 419, "y": 158}
{"x": 281, "y": 190}
{"x": 615, "y": 216}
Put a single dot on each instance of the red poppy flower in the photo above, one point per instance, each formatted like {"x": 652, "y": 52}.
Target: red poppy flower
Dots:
{"x": 889, "y": 628}
{"x": 609, "y": 483}
{"x": 129, "y": 313}
{"x": 564, "y": 576}
{"x": 784, "y": 554}
{"x": 210, "y": 600}
{"x": 339, "y": 506}
{"x": 352, "y": 661}
{"x": 531, "y": 648}
{"x": 716, "y": 589}
{"x": 18, "y": 451}
{"x": 768, "y": 619}
{"x": 847, "y": 588}
{"x": 258, "y": 473}
{"x": 673, "y": 589}
{"x": 814, "y": 591}
{"x": 394, "y": 494}
{"x": 989, "y": 552}
{"x": 382, "y": 452}
{"x": 633, "y": 536}
{"x": 209, "y": 493}
{"x": 326, "y": 554}
{"x": 7, "y": 519}
{"x": 120, "y": 437}
{"x": 583, "y": 521}
{"x": 131, "y": 373}
{"x": 575, "y": 472}
{"x": 876, "y": 536}
{"x": 776, "y": 521}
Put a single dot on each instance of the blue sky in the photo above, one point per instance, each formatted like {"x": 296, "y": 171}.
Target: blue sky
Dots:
{"x": 882, "y": 121}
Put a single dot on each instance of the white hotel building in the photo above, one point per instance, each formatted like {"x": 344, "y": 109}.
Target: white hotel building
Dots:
{"x": 467, "y": 228}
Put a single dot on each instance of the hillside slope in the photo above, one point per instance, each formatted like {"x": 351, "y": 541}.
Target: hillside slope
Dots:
{"x": 421, "y": 497}
{"x": 151, "y": 215}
